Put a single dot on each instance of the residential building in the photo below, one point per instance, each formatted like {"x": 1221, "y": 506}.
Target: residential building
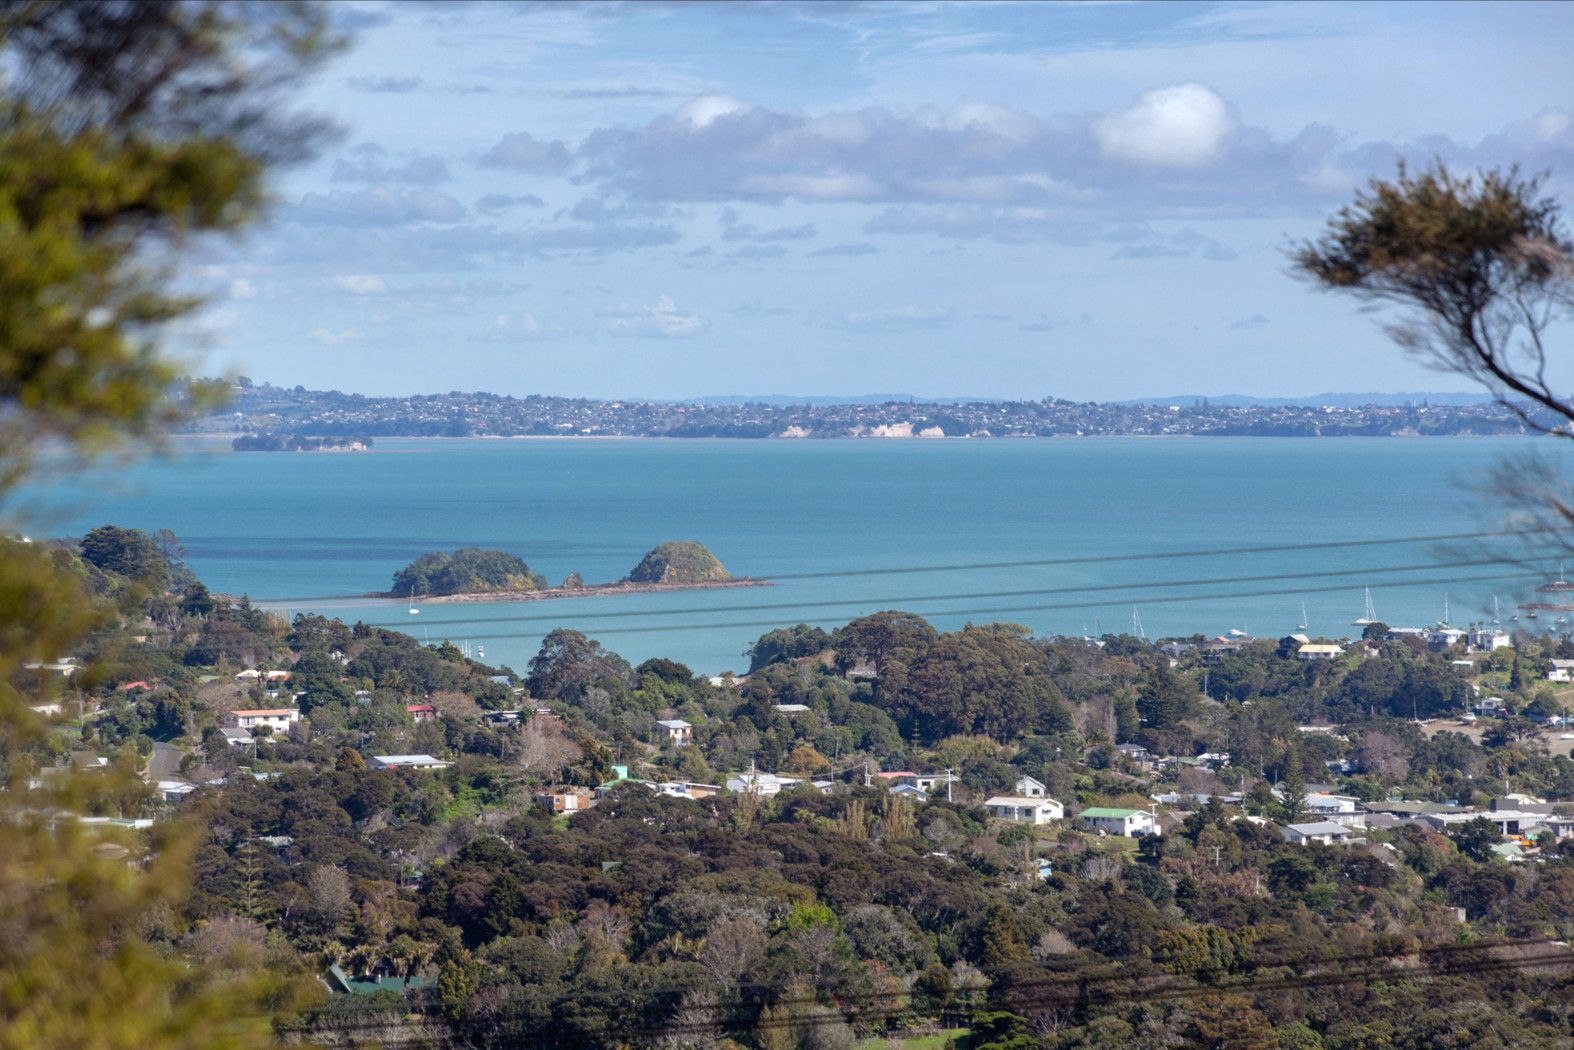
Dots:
{"x": 1028, "y": 787}
{"x": 1489, "y": 639}
{"x": 421, "y": 712}
{"x": 1490, "y": 705}
{"x": 1024, "y": 810}
{"x": 791, "y": 709}
{"x": 1318, "y": 651}
{"x": 1126, "y": 822}
{"x": 1561, "y": 671}
{"x": 566, "y": 800}
{"x": 278, "y": 719}
{"x": 407, "y": 762}
{"x": 1326, "y": 832}
{"x": 677, "y": 730}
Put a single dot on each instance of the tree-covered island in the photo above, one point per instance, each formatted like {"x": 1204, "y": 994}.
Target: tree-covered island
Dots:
{"x": 472, "y": 573}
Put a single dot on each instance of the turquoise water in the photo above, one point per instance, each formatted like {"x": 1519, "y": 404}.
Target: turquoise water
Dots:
{"x": 305, "y": 530}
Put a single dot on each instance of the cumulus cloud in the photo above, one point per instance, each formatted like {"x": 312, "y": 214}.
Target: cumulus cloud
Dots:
{"x": 704, "y": 111}
{"x": 521, "y": 151}
{"x": 1176, "y": 127}
{"x": 732, "y": 229}
{"x": 496, "y": 203}
{"x": 371, "y": 163}
{"x": 377, "y": 206}
{"x": 849, "y": 248}
{"x": 517, "y": 328}
{"x": 662, "y": 321}
{"x": 360, "y": 283}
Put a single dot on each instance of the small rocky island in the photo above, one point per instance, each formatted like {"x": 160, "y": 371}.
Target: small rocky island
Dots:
{"x": 472, "y": 574}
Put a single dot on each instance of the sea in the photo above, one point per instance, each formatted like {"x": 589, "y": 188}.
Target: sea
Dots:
{"x": 1081, "y": 537}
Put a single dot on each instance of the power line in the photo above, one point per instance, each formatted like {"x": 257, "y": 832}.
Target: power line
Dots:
{"x": 1089, "y": 559}
{"x": 967, "y": 596}
{"x": 1000, "y": 610}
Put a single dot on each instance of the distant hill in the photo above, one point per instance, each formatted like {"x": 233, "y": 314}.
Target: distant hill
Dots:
{"x": 823, "y": 400}
{"x": 1454, "y": 398}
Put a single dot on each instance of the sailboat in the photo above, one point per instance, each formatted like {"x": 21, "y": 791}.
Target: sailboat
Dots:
{"x": 1496, "y": 615}
{"x": 413, "y": 610}
{"x": 1370, "y": 616}
{"x": 1302, "y": 625}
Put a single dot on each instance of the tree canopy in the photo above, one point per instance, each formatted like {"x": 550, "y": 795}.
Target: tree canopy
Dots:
{"x": 679, "y": 561}
{"x": 469, "y": 570}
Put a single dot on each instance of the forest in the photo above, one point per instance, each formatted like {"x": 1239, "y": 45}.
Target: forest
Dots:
{"x": 464, "y": 911}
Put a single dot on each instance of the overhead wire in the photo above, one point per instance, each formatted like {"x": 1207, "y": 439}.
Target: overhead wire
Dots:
{"x": 1172, "y": 599}
{"x": 865, "y": 601}
{"x": 1081, "y": 559}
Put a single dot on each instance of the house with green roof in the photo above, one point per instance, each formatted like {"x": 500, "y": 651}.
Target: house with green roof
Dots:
{"x": 1104, "y": 820}
{"x": 339, "y": 981}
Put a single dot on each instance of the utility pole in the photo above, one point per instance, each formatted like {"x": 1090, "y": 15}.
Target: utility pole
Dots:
{"x": 948, "y": 783}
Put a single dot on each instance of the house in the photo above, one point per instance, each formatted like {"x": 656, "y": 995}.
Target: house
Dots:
{"x": 1027, "y": 787}
{"x": 1024, "y": 810}
{"x": 1339, "y": 809}
{"x": 1561, "y": 671}
{"x": 421, "y": 712}
{"x": 763, "y": 784}
{"x": 407, "y": 762}
{"x": 678, "y": 731}
{"x": 64, "y": 668}
{"x": 1490, "y": 705}
{"x": 685, "y": 789}
{"x": 566, "y": 800}
{"x": 502, "y": 718}
{"x": 1324, "y": 831}
{"x": 1441, "y": 638}
{"x": 791, "y": 709}
{"x": 174, "y": 790}
{"x": 278, "y": 719}
{"x": 1318, "y": 651}
{"x": 251, "y": 674}
{"x": 908, "y": 791}
{"x": 341, "y": 983}
{"x": 237, "y": 737}
{"x": 929, "y": 783}
{"x": 1218, "y": 648}
{"x": 1135, "y": 752}
{"x": 1127, "y": 822}
{"x": 1489, "y": 639}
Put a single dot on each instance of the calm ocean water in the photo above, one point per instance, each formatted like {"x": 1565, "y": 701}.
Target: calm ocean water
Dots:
{"x": 304, "y": 530}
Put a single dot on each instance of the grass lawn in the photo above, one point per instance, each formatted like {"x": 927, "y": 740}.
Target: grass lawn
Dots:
{"x": 923, "y": 1042}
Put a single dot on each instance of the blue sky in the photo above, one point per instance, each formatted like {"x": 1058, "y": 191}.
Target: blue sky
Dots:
{"x": 1006, "y": 200}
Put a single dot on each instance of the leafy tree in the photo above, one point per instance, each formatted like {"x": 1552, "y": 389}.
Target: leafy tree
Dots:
{"x": 469, "y": 570}
{"x": 569, "y": 663}
{"x": 787, "y": 643}
{"x": 128, "y": 131}
{"x": 1480, "y": 261}
{"x": 128, "y": 552}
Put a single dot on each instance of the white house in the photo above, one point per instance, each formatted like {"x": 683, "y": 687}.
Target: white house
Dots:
{"x": 763, "y": 784}
{"x": 1024, "y": 810}
{"x": 407, "y": 762}
{"x": 1490, "y": 705}
{"x": 1027, "y": 787}
{"x": 1325, "y": 831}
{"x": 1440, "y": 638}
{"x": 1487, "y": 640}
{"x": 1340, "y": 809}
{"x": 678, "y": 731}
{"x": 278, "y": 719}
{"x": 1561, "y": 671}
{"x": 175, "y": 790}
{"x": 1127, "y": 822}
{"x": 791, "y": 709}
{"x": 1318, "y": 651}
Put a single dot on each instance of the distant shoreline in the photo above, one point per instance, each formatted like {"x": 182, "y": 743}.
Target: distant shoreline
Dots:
{"x": 589, "y": 591}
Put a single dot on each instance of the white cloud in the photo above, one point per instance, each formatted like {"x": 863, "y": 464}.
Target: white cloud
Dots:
{"x": 517, "y": 328}
{"x": 661, "y": 321}
{"x": 242, "y": 288}
{"x": 329, "y": 337}
{"x": 360, "y": 283}
{"x": 522, "y": 151}
{"x": 707, "y": 109}
{"x": 1177, "y": 127}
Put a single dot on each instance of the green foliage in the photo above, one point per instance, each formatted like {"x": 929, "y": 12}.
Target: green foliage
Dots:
{"x": 469, "y": 570}
{"x": 787, "y": 643}
{"x": 679, "y": 561}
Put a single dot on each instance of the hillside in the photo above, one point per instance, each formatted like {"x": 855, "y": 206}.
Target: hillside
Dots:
{"x": 470, "y": 570}
{"x": 679, "y": 561}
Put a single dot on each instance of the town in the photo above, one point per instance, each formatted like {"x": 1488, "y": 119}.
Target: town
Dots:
{"x": 261, "y": 409}
{"x": 372, "y": 805}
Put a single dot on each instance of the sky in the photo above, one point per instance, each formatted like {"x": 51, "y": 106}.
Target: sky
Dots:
{"x": 1080, "y": 200}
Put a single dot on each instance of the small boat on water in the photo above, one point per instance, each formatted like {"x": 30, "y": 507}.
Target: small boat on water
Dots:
{"x": 1302, "y": 625}
{"x": 413, "y": 610}
{"x": 1370, "y": 616}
